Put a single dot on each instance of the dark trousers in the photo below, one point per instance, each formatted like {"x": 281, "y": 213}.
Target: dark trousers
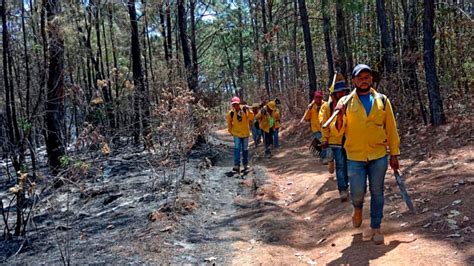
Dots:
{"x": 268, "y": 138}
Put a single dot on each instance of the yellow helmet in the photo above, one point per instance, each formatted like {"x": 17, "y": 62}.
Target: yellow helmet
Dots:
{"x": 272, "y": 105}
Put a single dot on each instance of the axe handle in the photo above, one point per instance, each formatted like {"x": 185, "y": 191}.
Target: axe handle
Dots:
{"x": 306, "y": 112}
{"x": 346, "y": 100}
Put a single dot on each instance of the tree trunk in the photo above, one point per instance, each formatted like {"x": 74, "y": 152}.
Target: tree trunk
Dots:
{"x": 140, "y": 91}
{"x": 55, "y": 93}
{"x": 308, "y": 45}
{"x": 385, "y": 36}
{"x": 341, "y": 61}
{"x": 294, "y": 42}
{"x": 192, "y": 81}
{"x": 163, "y": 32}
{"x": 240, "y": 69}
{"x": 409, "y": 57}
{"x": 27, "y": 60}
{"x": 266, "y": 67}
{"x": 434, "y": 96}
{"x": 168, "y": 29}
{"x": 194, "y": 53}
{"x": 327, "y": 38}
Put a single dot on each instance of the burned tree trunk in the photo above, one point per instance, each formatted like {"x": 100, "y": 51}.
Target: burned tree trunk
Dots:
{"x": 432, "y": 83}
{"x": 308, "y": 45}
{"x": 55, "y": 88}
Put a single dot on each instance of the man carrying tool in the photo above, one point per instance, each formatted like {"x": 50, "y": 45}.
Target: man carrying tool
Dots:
{"x": 239, "y": 121}
{"x": 312, "y": 115}
{"x": 369, "y": 126}
{"x": 266, "y": 120}
{"x": 331, "y": 141}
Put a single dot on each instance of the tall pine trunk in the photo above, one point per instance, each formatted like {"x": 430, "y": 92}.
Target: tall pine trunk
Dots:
{"x": 308, "y": 45}
{"x": 187, "y": 57}
{"x": 140, "y": 96}
{"x": 55, "y": 88}
{"x": 327, "y": 38}
{"x": 385, "y": 36}
{"x": 265, "y": 48}
{"x": 432, "y": 83}
{"x": 341, "y": 44}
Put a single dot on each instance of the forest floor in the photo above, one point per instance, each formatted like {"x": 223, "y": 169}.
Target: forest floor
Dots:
{"x": 285, "y": 211}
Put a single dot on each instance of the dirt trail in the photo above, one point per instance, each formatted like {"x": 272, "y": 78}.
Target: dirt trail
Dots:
{"x": 286, "y": 211}
{"x": 296, "y": 216}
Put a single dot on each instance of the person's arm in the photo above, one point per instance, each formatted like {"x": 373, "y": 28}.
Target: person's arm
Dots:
{"x": 307, "y": 114}
{"x": 250, "y": 117}
{"x": 324, "y": 114}
{"x": 393, "y": 138}
{"x": 229, "y": 123}
{"x": 277, "y": 115}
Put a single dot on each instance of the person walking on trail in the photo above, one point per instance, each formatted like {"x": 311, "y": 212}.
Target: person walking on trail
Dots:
{"x": 239, "y": 121}
{"x": 267, "y": 121}
{"x": 312, "y": 115}
{"x": 276, "y": 131}
{"x": 333, "y": 143}
{"x": 256, "y": 131}
{"x": 369, "y": 126}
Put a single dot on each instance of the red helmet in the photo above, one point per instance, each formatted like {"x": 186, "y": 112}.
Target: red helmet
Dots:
{"x": 318, "y": 94}
{"x": 235, "y": 99}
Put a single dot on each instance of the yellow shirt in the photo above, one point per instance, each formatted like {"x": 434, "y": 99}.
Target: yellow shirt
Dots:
{"x": 367, "y": 137}
{"x": 313, "y": 116}
{"x": 328, "y": 135}
{"x": 264, "y": 120}
{"x": 277, "y": 117}
{"x": 240, "y": 129}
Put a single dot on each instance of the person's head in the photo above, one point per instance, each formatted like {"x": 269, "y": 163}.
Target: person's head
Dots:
{"x": 255, "y": 108}
{"x": 318, "y": 97}
{"x": 271, "y": 106}
{"x": 235, "y": 102}
{"x": 277, "y": 101}
{"x": 362, "y": 77}
{"x": 340, "y": 90}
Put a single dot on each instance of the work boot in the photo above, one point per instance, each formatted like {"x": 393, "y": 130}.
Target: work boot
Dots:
{"x": 246, "y": 168}
{"x": 236, "y": 169}
{"x": 331, "y": 167}
{"x": 343, "y": 195}
{"x": 377, "y": 237}
{"x": 357, "y": 217}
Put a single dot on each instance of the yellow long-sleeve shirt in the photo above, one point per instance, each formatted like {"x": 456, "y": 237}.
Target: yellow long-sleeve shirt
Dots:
{"x": 367, "y": 137}
{"x": 240, "y": 129}
{"x": 328, "y": 135}
{"x": 313, "y": 116}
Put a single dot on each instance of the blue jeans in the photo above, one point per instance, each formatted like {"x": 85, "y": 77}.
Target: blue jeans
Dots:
{"x": 375, "y": 170}
{"x": 276, "y": 142}
{"x": 241, "y": 145}
{"x": 257, "y": 135}
{"x": 339, "y": 155}
{"x": 319, "y": 135}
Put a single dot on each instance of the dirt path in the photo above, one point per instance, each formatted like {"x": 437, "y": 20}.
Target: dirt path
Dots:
{"x": 296, "y": 216}
{"x": 285, "y": 211}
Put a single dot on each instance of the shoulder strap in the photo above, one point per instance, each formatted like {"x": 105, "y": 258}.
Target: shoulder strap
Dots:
{"x": 383, "y": 98}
